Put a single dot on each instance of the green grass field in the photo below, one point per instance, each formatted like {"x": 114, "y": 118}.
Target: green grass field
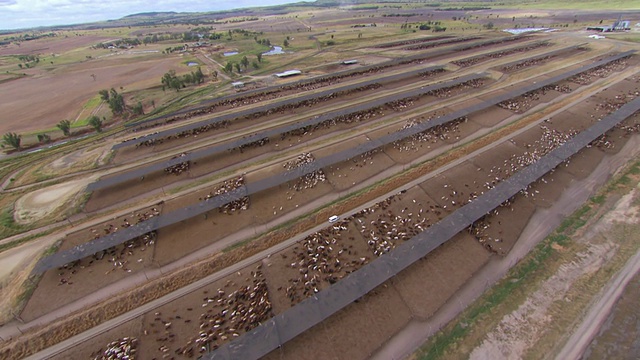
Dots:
{"x": 630, "y": 36}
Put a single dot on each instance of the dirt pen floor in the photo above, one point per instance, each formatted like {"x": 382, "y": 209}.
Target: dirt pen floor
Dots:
{"x": 444, "y": 193}
{"x": 63, "y": 285}
{"x": 360, "y": 328}
{"x": 228, "y": 307}
{"x": 210, "y": 164}
{"x": 173, "y": 328}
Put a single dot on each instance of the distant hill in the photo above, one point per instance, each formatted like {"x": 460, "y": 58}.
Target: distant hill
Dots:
{"x": 151, "y": 14}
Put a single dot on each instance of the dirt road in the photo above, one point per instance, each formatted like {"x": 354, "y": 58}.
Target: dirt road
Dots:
{"x": 599, "y": 311}
{"x": 202, "y": 56}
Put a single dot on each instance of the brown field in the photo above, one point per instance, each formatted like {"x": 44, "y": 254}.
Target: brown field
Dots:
{"x": 61, "y": 94}
{"x": 54, "y": 45}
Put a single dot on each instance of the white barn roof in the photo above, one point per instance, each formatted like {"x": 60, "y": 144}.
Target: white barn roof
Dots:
{"x": 288, "y": 73}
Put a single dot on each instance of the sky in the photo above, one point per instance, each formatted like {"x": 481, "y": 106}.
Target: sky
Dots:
{"x": 20, "y": 14}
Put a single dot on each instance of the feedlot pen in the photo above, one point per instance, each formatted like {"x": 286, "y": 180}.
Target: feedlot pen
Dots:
{"x": 380, "y": 265}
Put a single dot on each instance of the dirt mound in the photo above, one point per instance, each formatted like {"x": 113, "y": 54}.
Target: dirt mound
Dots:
{"x": 82, "y": 158}
{"x": 40, "y": 203}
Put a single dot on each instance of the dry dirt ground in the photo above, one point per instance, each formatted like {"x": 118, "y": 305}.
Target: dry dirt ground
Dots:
{"x": 61, "y": 94}
{"x": 618, "y": 337}
{"x": 53, "y": 45}
{"x": 15, "y": 269}
{"x": 38, "y": 204}
{"x": 518, "y": 332}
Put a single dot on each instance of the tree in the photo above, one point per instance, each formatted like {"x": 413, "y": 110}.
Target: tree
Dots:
{"x": 489, "y": 25}
{"x": 12, "y": 139}
{"x": 237, "y": 65}
{"x": 171, "y": 81}
{"x": 138, "y": 109}
{"x": 116, "y": 102}
{"x": 244, "y": 62}
{"x": 255, "y": 64}
{"x": 44, "y": 138}
{"x": 199, "y": 76}
{"x": 228, "y": 67}
{"x": 65, "y": 126}
{"x": 259, "y": 56}
{"x": 96, "y": 123}
{"x": 285, "y": 43}
{"x": 104, "y": 95}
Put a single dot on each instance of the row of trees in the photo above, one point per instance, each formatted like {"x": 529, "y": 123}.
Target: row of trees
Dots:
{"x": 126, "y": 42}
{"x": 26, "y": 37}
{"x": 435, "y": 28}
{"x": 155, "y": 38}
{"x": 197, "y": 34}
{"x": 116, "y": 104}
{"x": 29, "y": 58}
{"x": 65, "y": 125}
{"x": 245, "y": 33}
{"x": 172, "y": 81}
{"x": 14, "y": 140}
{"x": 194, "y": 35}
{"x": 244, "y": 62}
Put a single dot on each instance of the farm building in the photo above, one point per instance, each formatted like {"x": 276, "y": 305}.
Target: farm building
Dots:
{"x": 288, "y": 73}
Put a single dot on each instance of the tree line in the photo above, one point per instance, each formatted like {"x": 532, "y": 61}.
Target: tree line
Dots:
{"x": 172, "y": 81}
{"x": 244, "y": 63}
{"x": 15, "y": 140}
{"x": 116, "y": 103}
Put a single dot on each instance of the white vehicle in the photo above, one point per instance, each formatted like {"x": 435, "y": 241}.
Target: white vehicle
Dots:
{"x": 333, "y": 218}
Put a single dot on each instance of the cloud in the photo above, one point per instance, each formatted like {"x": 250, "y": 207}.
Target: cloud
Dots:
{"x": 15, "y": 14}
